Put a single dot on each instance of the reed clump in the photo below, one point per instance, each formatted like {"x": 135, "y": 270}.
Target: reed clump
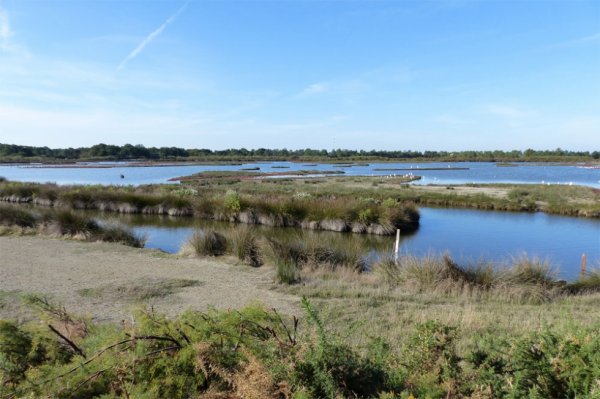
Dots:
{"x": 525, "y": 279}
{"x": 245, "y": 246}
{"x": 67, "y": 223}
{"x": 206, "y": 243}
{"x": 292, "y": 255}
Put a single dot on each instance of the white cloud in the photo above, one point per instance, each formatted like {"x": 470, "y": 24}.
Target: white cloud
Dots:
{"x": 153, "y": 35}
{"x": 313, "y": 89}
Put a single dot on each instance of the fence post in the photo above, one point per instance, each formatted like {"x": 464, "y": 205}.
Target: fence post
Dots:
{"x": 397, "y": 246}
{"x": 583, "y": 262}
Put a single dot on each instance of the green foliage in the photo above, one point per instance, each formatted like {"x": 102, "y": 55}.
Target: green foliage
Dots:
{"x": 232, "y": 201}
{"x": 254, "y": 353}
{"x": 547, "y": 364}
{"x": 332, "y": 369}
{"x": 430, "y": 360}
{"x": 13, "y": 152}
{"x": 367, "y": 216}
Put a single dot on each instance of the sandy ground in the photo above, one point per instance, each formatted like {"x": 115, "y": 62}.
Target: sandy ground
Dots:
{"x": 59, "y": 269}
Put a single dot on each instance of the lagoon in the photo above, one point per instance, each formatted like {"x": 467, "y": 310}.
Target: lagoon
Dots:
{"x": 432, "y": 173}
{"x": 469, "y": 236}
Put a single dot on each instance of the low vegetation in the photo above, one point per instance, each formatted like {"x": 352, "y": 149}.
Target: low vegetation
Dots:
{"x": 256, "y": 353}
{"x": 17, "y": 220}
{"x": 326, "y": 211}
{"x": 205, "y": 243}
{"x": 141, "y": 290}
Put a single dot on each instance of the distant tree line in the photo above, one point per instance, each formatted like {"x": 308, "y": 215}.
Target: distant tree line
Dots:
{"x": 15, "y": 153}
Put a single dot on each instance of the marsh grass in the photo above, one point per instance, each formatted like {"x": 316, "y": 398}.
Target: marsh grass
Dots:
{"x": 244, "y": 244}
{"x": 206, "y": 243}
{"x": 120, "y": 234}
{"x": 524, "y": 280}
{"x": 586, "y": 283}
{"x": 13, "y": 216}
{"x": 66, "y": 223}
{"x": 70, "y": 223}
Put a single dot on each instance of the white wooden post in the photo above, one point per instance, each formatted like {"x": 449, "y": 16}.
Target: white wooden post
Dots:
{"x": 397, "y": 246}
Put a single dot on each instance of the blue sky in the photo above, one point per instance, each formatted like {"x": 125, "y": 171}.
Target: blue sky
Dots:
{"x": 423, "y": 75}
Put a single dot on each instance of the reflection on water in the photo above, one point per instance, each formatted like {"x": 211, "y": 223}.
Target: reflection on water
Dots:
{"x": 468, "y": 235}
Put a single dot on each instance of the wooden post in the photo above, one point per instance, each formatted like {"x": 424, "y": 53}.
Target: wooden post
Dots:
{"x": 583, "y": 262}
{"x": 397, "y": 246}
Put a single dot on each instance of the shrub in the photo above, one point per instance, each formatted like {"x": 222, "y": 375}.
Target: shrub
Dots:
{"x": 332, "y": 369}
{"x": 232, "y": 201}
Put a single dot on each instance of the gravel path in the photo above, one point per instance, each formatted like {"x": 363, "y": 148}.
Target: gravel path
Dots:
{"x": 60, "y": 268}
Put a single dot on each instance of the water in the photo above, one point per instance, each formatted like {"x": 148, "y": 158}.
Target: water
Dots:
{"x": 468, "y": 235}
{"x": 475, "y": 172}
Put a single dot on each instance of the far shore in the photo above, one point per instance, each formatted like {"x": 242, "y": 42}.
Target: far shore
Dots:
{"x": 109, "y": 163}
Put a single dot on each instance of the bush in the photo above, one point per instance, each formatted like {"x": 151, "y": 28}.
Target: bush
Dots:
{"x": 232, "y": 202}
{"x": 254, "y": 353}
{"x": 332, "y": 369}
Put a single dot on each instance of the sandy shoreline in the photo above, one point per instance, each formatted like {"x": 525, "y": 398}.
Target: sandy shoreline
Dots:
{"x": 59, "y": 269}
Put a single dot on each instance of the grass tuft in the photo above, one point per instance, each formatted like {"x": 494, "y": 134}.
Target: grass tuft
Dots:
{"x": 244, "y": 243}
{"x": 207, "y": 243}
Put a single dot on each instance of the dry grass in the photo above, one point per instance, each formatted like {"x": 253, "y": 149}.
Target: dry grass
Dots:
{"x": 205, "y": 243}
{"x": 142, "y": 290}
{"x": 390, "y": 301}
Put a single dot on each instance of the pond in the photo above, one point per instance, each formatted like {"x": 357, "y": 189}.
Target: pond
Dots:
{"x": 468, "y": 235}
{"x": 432, "y": 173}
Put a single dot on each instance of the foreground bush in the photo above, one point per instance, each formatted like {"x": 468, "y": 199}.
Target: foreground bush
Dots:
{"x": 254, "y": 353}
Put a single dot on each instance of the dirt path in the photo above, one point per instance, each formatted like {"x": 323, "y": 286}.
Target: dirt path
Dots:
{"x": 114, "y": 277}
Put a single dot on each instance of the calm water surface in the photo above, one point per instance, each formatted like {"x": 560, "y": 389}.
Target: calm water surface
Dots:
{"x": 468, "y": 235}
{"x": 475, "y": 172}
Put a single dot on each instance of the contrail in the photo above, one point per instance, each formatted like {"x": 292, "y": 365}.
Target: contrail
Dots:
{"x": 152, "y": 36}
